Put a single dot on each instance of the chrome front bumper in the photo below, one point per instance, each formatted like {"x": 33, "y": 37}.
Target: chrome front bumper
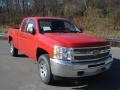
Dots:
{"x": 64, "y": 68}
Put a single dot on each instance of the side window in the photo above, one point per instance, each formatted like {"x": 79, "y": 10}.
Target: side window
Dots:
{"x": 31, "y": 27}
{"x": 23, "y": 25}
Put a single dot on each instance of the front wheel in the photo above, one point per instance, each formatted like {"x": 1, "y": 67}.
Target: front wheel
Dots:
{"x": 13, "y": 50}
{"x": 44, "y": 69}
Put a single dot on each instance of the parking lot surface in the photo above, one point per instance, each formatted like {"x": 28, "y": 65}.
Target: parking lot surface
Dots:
{"x": 20, "y": 73}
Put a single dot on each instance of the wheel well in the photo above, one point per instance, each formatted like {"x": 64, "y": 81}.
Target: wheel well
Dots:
{"x": 40, "y": 51}
{"x": 9, "y": 38}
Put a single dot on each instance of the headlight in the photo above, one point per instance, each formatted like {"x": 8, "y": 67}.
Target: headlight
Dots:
{"x": 62, "y": 53}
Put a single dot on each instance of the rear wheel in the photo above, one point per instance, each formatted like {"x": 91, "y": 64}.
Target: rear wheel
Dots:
{"x": 13, "y": 50}
{"x": 44, "y": 69}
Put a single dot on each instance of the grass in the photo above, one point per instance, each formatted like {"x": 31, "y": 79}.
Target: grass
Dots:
{"x": 95, "y": 23}
{"x": 102, "y": 27}
{"x": 106, "y": 33}
{"x": 3, "y": 28}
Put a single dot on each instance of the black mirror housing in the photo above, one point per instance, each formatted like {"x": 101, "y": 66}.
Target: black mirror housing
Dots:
{"x": 81, "y": 30}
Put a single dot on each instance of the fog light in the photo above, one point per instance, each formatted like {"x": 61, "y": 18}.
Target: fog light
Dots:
{"x": 103, "y": 69}
{"x": 80, "y": 73}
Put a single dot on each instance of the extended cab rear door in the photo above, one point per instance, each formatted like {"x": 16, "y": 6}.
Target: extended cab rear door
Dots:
{"x": 21, "y": 36}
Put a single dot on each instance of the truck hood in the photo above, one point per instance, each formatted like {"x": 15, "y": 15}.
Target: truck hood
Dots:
{"x": 77, "y": 39}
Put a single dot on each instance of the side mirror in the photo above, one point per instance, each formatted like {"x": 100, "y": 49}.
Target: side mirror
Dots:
{"x": 31, "y": 30}
{"x": 81, "y": 29}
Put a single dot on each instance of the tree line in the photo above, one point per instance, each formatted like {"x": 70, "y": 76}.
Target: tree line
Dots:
{"x": 12, "y": 11}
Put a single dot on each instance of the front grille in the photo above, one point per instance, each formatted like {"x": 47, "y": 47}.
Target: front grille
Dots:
{"x": 90, "y": 49}
{"x": 90, "y": 53}
{"x": 90, "y": 56}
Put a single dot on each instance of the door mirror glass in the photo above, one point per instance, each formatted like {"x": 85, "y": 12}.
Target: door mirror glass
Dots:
{"x": 30, "y": 29}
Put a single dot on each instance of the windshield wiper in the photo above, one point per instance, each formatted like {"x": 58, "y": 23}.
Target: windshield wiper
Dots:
{"x": 71, "y": 31}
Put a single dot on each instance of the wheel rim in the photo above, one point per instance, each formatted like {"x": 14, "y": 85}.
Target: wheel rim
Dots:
{"x": 43, "y": 69}
{"x": 11, "y": 48}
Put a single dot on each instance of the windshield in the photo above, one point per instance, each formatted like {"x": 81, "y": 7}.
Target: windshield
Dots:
{"x": 53, "y": 25}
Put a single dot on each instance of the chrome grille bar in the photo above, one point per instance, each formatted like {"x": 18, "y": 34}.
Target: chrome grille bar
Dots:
{"x": 90, "y": 53}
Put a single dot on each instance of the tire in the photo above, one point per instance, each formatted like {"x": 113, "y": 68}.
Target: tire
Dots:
{"x": 13, "y": 50}
{"x": 44, "y": 69}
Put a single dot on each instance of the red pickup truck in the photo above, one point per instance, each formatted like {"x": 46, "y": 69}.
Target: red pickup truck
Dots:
{"x": 60, "y": 48}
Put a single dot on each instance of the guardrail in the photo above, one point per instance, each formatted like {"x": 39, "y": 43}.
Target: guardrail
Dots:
{"x": 115, "y": 39}
{"x": 115, "y": 42}
{"x": 2, "y": 34}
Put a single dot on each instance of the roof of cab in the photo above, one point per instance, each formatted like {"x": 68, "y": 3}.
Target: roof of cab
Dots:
{"x": 45, "y": 18}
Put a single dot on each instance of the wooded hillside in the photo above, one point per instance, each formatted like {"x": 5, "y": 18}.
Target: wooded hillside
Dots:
{"x": 92, "y": 15}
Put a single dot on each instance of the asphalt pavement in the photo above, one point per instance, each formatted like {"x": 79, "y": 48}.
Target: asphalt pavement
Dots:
{"x": 20, "y": 73}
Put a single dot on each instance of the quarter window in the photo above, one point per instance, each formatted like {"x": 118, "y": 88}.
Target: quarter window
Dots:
{"x": 23, "y": 25}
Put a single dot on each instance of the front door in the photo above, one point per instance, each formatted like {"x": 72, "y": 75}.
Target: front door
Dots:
{"x": 30, "y": 40}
